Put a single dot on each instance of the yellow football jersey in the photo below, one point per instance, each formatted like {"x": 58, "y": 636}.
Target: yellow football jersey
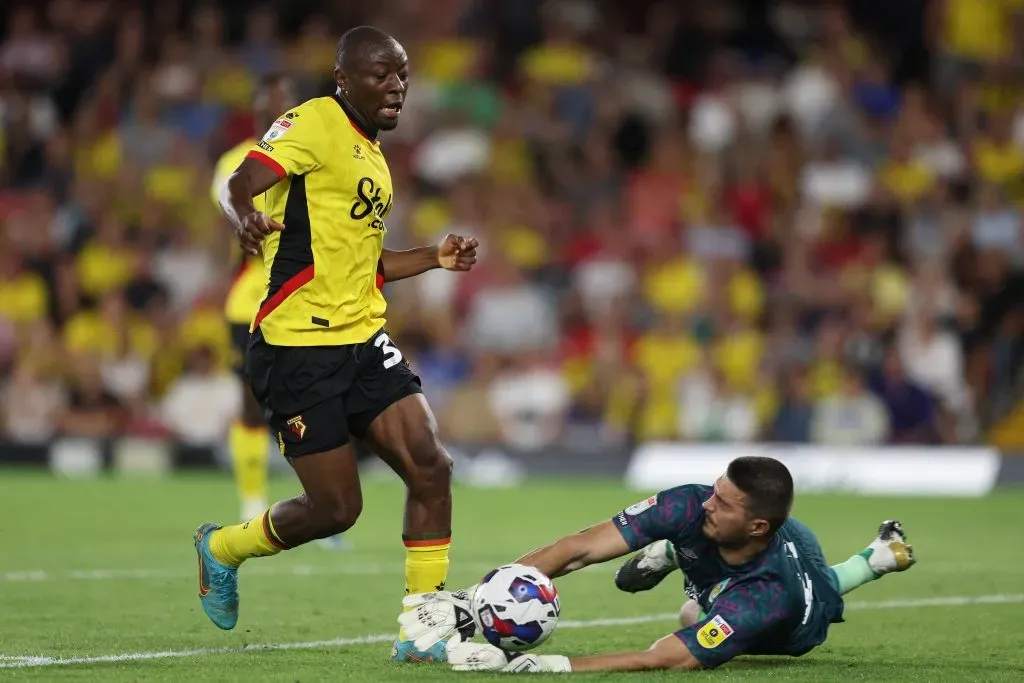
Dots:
{"x": 249, "y": 285}
{"x": 324, "y": 281}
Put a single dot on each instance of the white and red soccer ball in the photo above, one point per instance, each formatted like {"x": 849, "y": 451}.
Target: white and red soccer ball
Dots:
{"x": 516, "y": 607}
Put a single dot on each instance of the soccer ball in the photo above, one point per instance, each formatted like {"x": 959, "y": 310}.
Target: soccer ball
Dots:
{"x": 516, "y": 607}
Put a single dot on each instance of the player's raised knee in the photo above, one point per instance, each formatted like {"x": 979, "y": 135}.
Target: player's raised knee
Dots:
{"x": 689, "y": 613}
{"x": 431, "y": 461}
{"x": 437, "y": 466}
{"x": 339, "y": 517}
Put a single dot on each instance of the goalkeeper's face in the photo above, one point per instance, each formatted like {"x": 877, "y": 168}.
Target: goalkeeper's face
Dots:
{"x": 727, "y": 520}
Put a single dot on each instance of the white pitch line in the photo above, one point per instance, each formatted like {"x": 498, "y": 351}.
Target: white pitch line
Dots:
{"x": 19, "y": 662}
{"x": 274, "y": 569}
{"x": 356, "y": 569}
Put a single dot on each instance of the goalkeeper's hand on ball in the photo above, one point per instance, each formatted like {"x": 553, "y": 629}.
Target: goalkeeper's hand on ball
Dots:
{"x": 465, "y": 656}
{"x": 432, "y": 617}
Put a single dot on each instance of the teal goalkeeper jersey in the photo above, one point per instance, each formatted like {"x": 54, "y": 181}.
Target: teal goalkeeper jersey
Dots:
{"x": 779, "y": 603}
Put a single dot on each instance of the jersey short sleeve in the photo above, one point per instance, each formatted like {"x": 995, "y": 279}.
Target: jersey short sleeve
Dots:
{"x": 669, "y": 514}
{"x": 294, "y": 144}
{"x": 741, "y": 616}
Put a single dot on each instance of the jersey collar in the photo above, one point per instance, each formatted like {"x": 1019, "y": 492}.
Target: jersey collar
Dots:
{"x": 350, "y": 115}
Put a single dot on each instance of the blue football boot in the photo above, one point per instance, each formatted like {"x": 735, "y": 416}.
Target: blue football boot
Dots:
{"x": 218, "y": 584}
{"x": 405, "y": 651}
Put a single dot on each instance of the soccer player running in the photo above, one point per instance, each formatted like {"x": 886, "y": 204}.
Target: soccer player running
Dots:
{"x": 320, "y": 363}
{"x": 756, "y": 579}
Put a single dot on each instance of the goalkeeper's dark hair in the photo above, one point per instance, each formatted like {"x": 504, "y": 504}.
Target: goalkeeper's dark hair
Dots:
{"x": 768, "y": 486}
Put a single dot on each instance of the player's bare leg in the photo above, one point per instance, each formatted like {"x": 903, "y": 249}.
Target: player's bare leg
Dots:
{"x": 690, "y": 613}
{"x": 405, "y": 437}
{"x": 329, "y": 504}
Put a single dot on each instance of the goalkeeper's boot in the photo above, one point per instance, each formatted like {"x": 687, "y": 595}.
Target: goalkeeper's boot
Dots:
{"x": 889, "y": 552}
{"x": 405, "y": 651}
{"x": 218, "y": 584}
{"x": 647, "y": 568}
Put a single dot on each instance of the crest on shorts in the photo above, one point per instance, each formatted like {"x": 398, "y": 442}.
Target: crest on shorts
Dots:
{"x": 296, "y": 426}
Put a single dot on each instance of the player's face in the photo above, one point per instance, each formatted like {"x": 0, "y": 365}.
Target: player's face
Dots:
{"x": 377, "y": 86}
{"x": 726, "y": 521}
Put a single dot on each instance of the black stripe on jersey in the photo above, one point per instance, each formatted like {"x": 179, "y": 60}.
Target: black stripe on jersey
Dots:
{"x": 353, "y": 119}
{"x": 295, "y": 250}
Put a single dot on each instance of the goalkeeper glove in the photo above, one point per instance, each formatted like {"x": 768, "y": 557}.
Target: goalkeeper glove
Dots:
{"x": 432, "y": 617}
{"x": 463, "y": 656}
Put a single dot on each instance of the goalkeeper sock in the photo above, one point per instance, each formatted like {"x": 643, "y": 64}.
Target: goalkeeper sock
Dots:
{"x": 426, "y": 564}
{"x": 249, "y": 455}
{"x": 233, "y": 545}
{"x": 854, "y": 573}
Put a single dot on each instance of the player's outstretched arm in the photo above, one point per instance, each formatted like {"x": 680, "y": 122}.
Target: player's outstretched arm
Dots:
{"x": 249, "y": 179}
{"x": 432, "y": 617}
{"x": 452, "y": 253}
{"x": 596, "y": 544}
{"x": 667, "y": 653}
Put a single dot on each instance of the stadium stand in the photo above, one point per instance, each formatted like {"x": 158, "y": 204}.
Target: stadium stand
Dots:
{"x": 772, "y": 221}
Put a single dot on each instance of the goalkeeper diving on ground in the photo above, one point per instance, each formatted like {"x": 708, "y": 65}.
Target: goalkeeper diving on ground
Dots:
{"x": 756, "y": 580}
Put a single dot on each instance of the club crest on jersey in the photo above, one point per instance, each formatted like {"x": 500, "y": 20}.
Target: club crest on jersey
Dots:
{"x": 296, "y": 426}
{"x": 717, "y": 590}
{"x": 637, "y": 508}
{"x": 357, "y": 152}
{"x": 277, "y": 129}
{"x": 714, "y": 633}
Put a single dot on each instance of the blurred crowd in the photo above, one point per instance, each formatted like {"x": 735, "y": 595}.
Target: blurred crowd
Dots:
{"x": 703, "y": 221}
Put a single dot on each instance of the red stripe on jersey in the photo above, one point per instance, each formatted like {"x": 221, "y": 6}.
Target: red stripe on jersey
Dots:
{"x": 359, "y": 130}
{"x": 286, "y": 290}
{"x": 268, "y": 162}
{"x": 380, "y": 281}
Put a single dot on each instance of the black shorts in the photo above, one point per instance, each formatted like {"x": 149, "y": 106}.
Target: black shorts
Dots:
{"x": 239, "y": 342}
{"x": 316, "y": 398}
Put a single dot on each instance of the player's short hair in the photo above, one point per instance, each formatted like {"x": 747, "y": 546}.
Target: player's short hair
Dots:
{"x": 355, "y": 41}
{"x": 768, "y": 486}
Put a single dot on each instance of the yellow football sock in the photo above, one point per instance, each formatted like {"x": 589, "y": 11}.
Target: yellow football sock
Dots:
{"x": 234, "y": 544}
{"x": 426, "y": 566}
{"x": 249, "y": 455}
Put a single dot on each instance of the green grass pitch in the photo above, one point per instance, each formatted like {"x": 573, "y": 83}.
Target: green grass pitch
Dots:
{"x": 105, "y": 569}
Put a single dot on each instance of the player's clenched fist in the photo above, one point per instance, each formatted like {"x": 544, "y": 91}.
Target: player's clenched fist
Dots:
{"x": 457, "y": 253}
{"x": 254, "y": 229}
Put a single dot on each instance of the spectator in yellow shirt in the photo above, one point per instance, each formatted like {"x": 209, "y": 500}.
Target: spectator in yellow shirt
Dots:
{"x": 24, "y": 297}
{"x": 906, "y": 178}
{"x": 998, "y": 160}
{"x": 107, "y": 262}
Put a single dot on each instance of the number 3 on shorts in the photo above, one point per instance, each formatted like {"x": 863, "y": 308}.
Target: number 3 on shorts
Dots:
{"x": 392, "y": 356}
